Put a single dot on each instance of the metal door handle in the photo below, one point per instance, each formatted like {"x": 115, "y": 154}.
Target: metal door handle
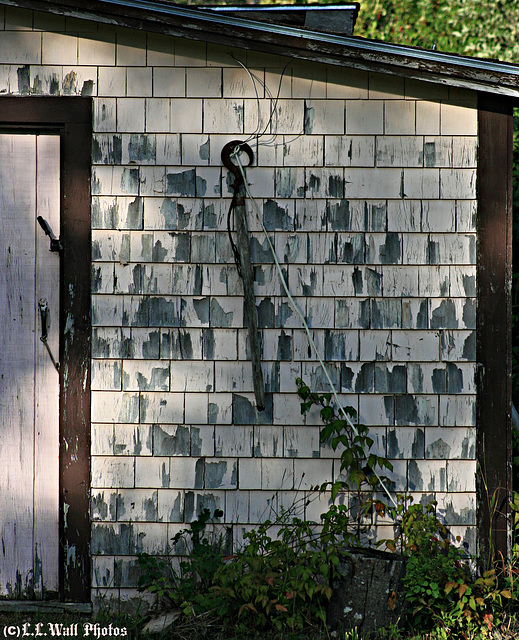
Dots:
{"x": 55, "y": 244}
{"x": 44, "y": 315}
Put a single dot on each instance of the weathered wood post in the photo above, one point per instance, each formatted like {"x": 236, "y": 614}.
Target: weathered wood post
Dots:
{"x": 243, "y": 261}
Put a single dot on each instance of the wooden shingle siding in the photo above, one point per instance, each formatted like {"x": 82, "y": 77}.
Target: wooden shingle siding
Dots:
{"x": 367, "y": 187}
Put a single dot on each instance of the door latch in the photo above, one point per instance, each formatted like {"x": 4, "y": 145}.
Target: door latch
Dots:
{"x": 44, "y": 314}
{"x": 55, "y": 244}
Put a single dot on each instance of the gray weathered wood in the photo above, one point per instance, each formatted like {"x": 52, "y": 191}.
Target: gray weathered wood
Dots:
{"x": 17, "y": 327}
{"x": 46, "y": 424}
{"x": 249, "y": 304}
{"x": 29, "y": 388}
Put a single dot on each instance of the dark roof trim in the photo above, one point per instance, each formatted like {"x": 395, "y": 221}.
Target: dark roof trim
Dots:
{"x": 199, "y": 24}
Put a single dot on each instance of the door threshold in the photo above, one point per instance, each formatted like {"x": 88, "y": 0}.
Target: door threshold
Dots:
{"x": 27, "y": 606}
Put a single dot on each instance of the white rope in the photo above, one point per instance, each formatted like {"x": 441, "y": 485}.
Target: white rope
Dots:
{"x": 236, "y": 154}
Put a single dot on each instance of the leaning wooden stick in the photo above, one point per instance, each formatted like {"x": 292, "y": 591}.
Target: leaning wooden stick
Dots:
{"x": 246, "y": 271}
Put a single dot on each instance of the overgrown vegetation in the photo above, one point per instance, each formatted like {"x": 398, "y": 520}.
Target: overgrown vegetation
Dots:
{"x": 280, "y": 581}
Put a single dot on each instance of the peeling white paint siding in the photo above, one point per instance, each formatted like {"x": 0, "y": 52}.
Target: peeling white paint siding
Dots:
{"x": 368, "y": 193}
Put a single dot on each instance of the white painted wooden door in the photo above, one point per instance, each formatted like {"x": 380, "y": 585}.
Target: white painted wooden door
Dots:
{"x": 29, "y": 382}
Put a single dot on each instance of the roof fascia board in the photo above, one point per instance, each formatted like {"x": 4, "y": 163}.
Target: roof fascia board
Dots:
{"x": 431, "y": 66}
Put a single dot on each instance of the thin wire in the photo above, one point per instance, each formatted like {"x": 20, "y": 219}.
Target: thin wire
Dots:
{"x": 236, "y": 154}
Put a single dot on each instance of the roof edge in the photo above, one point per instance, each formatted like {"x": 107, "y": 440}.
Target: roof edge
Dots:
{"x": 298, "y": 42}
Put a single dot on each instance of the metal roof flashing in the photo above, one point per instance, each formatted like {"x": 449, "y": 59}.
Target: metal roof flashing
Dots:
{"x": 327, "y": 18}
{"x": 221, "y": 26}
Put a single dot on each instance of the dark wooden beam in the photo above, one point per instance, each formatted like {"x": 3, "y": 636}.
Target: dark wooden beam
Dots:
{"x": 494, "y": 335}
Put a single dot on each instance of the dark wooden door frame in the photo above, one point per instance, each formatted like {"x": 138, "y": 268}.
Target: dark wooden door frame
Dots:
{"x": 72, "y": 117}
{"x": 494, "y": 317}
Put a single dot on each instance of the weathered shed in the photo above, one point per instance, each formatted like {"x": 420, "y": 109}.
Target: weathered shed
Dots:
{"x": 383, "y": 174}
